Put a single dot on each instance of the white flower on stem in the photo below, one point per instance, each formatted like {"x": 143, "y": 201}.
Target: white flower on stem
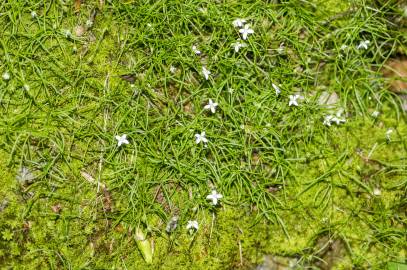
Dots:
{"x": 246, "y": 31}
{"x": 276, "y": 88}
{"x": 173, "y": 69}
{"x": 363, "y": 45}
{"x": 239, "y": 22}
{"x": 293, "y": 100}
{"x": 26, "y": 87}
{"x": 388, "y": 134}
{"x": 238, "y": 44}
{"x": 121, "y": 140}
{"x": 33, "y": 14}
{"x": 375, "y": 114}
{"x": 201, "y": 138}
{"x": 6, "y": 76}
{"x": 195, "y": 50}
{"x": 211, "y": 106}
{"x": 206, "y": 73}
{"x": 192, "y": 225}
{"x": 214, "y": 197}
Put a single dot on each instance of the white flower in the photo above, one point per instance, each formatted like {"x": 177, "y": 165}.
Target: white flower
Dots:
{"x": 363, "y": 45}
{"x": 327, "y": 120}
{"x": 337, "y": 119}
{"x": 67, "y": 33}
{"x": 173, "y": 69}
{"x": 192, "y": 225}
{"x": 206, "y": 73}
{"x": 388, "y": 133}
{"x": 89, "y": 24}
{"x": 239, "y": 22}
{"x": 122, "y": 140}
{"x": 6, "y": 76}
{"x": 375, "y": 114}
{"x": 33, "y": 14}
{"x": 377, "y": 192}
{"x": 214, "y": 196}
{"x": 281, "y": 48}
{"x": 293, "y": 100}
{"x": 343, "y": 47}
{"x": 211, "y": 106}
{"x": 195, "y": 50}
{"x": 276, "y": 88}
{"x": 237, "y": 45}
{"x": 246, "y": 31}
{"x": 201, "y": 138}
{"x": 172, "y": 224}
{"x": 26, "y": 87}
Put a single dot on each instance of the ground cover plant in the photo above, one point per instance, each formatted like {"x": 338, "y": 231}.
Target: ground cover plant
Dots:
{"x": 203, "y": 134}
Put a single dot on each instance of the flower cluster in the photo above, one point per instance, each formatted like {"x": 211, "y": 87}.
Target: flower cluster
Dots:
{"x": 244, "y": 30}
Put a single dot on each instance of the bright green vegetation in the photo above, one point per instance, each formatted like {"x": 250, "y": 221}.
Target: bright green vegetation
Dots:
{"x": 292, "y": 187}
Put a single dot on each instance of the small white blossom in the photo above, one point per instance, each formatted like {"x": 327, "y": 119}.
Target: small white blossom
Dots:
{"x": 6, "y": 76}
{"x": 363, "y": 45}
{"x": 172, "y": 224}
{"x": 67, "y": 33}
{"x": 192, "y": 225}
{"x": 173, "y": 69}
{"x": 239, "y": 22}
{"x": 375, "y": 114}
{"x": 293, "y": 100}
{"x": 214, "y": 197}
{"x": 281, "y": 48}
{"x": 26, "y": 87}
{"x": 246, "y": 31}
{"x": 388, "y": 133}
{"x": 237, "y": 45}
{"x": 276, "y": 88}
{"x": 377, "y": 192}
{"x": 327, "y": 120}
{"x": 195, "y": 50}
{"x": 338, "y": 119}
{"x": 344, "y": 47}
{"x": 89, "y": 24}
{"x": 121, "y": 140}
{"x": 206, "y": 73}
{"x": 33, "y": 14}
{"x": 211, "y": 106}
{"x": 201, "y": 138}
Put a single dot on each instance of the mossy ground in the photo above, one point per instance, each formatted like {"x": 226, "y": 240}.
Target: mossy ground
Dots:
{"x": 291, "y": 185}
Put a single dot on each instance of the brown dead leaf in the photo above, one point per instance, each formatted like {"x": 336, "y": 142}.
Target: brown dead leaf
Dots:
{"x": 56, "y": 208}
{"x": 395, "y": 71}
{"x": 330, "y": 252}
{"x": 79, "y": 30}
{"x": 131, "y": 78}
{"x": 77, "y": 6}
